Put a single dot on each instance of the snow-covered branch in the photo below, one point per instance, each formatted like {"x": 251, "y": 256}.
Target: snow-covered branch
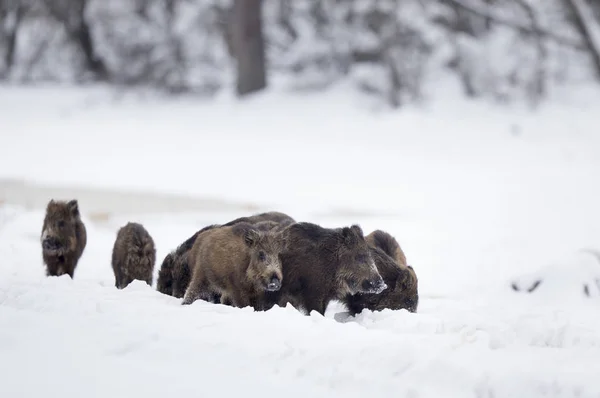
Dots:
{"x": 387, "y": 49}
{"x": 485, "y": 11}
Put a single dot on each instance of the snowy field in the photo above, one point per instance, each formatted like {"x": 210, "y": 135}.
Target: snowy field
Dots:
{"x": 478, "y": 197}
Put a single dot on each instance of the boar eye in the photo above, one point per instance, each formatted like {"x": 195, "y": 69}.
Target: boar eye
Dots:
{"x": 261, "y": 256}
{"x": 61, "y": 224}
{"x": 361, "y": 258}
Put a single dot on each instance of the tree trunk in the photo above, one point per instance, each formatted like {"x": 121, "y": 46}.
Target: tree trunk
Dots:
{"x": 587, "y": 26}
{"x": 81, "y": 34}
{"x": 72, "y": 15}
{"x": 11, "y": 20}
{"x": 249, "y": 46}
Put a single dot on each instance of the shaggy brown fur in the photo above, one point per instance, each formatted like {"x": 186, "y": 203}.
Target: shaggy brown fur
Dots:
{"x": 401, "y": 279}
{"x": 280, "y": 218}
{"x": 323, "y": 264}
{"x": 164, "y": 283}
{"x": 237, "y": 262}
{"x": 174, "y": 274}
{"x": 388, "y": 244}
{"x": 270, "y": 226}
{"x": 133, "y": 255}
{"x": 63, "y": 238}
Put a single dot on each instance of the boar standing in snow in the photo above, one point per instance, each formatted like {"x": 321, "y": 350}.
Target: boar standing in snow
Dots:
{"x": 133, "y": 255}
{"x": 323, "y": 264}
{"x": 402, "y": 291}
{"x": 238, "y": 263}
{"x": 175, "y": 271}
{"x": 175, "y": 274}
{"x": 63, "y": 238}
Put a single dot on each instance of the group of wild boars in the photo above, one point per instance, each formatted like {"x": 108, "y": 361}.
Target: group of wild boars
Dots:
{"x": 270, "y": 259}
{"x": 64, "y": 238}
{"x": 260, "y": 261}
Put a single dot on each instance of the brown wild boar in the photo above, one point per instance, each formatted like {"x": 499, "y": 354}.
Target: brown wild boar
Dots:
{"x": 63, "y": 237}
{"x": 323, "y": 264}
{"x": 238, "y": 263}
{"x": 175, "y": 272}
{"x": 133, "y": 255}
{"x": 404, "y": 287}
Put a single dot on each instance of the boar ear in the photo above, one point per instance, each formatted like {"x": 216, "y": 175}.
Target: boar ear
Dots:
{"x": 73, "y": 207}
{"x": 350, "y": 234}
{"x": 357, "y": 230}
{"x": 346, "y": 234}
{"x": 250, "y": 237}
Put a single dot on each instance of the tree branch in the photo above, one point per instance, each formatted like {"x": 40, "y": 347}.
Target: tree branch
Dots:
{"x": 484, "y": 12}
{"x": 588, "y": 28}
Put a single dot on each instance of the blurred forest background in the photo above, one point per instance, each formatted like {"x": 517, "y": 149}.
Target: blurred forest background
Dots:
{"x": 389, "y": 49}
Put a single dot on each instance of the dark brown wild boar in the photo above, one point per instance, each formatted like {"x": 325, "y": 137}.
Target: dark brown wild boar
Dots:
{"x": 402, "y": 291}
{"x": 133, "y": 255}
{"x": 63, "y": 238}
{"x": 323, "y": 264}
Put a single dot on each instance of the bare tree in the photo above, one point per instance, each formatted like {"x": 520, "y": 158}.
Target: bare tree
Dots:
{"x": 11, "y": 15}
{"x": 538, "y": 84}
{"x": 249, "y": 46}
{"x": 71, "y": 13}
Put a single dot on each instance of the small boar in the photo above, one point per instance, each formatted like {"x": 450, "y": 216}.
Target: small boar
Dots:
{"x": 174, "y": 274}
{"x": 164, "y": 283}
{"x": 63, "y": 237}
{"x": 238, "y": 263}
{"x": 409, "y": 297}
{"x": 323, "y": 264}
{"x": 401, "y": 293}
{"x": 401, "y": 279}
{"x": 133, "y": 255}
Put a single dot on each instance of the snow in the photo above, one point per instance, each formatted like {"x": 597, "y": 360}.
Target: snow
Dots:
{"x": 479, "y": 197}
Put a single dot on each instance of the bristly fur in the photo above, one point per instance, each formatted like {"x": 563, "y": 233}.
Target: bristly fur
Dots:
{"x": 402, "y": 292}
{"x": 63, "y": 237}
{"x": 174, "y": 274}
{"x": 133, "y": 256}
{"x": 280, "y": 218}
{"x": 322, "y": 264}
{"x": 237, "y": 263}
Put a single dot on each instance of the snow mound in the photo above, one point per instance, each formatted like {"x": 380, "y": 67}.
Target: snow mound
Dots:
{"x": 572, "y": 276}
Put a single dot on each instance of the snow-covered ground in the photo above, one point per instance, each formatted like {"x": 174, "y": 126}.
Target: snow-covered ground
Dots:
{"x": 477, "y": 196}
